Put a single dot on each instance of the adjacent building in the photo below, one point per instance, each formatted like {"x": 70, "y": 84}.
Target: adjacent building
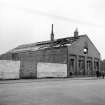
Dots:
{"x": 57, "y": 57}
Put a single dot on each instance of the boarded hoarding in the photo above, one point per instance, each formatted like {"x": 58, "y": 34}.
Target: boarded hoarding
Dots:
{"x": 51, "y": 70}
{"x": 9, "y": 69}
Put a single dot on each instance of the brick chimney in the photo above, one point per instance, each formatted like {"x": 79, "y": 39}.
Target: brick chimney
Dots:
{"x": 52, "y": 34}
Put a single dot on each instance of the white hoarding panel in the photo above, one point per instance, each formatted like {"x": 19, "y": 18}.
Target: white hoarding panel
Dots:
{"x": 9, "y": 69}
{"x": 51, "y": 70}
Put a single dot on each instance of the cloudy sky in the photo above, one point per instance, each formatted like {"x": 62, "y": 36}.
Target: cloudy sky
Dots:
{"x": 29, "y": 21}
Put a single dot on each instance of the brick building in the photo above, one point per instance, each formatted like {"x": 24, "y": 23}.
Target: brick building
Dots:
{"x": 78, "y": 53}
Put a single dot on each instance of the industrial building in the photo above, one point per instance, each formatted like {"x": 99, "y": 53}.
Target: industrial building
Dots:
{"x": 56, "y": 57}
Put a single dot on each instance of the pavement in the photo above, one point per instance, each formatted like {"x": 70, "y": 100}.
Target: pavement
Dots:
{"x": 9, "y": 81}
{"x": 56, "y": 91}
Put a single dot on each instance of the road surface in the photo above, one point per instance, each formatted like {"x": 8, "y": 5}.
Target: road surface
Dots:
{"x": 53, "y": 92}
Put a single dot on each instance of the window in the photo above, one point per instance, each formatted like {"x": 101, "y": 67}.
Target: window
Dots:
{"x": 85, "y": 50}
{"x": 96, "y": 65}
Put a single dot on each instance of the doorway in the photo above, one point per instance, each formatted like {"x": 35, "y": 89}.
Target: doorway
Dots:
{"x": 89, "y": 67}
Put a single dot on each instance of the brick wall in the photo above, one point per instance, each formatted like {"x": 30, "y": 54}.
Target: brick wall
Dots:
{"x": 29, "y": 60}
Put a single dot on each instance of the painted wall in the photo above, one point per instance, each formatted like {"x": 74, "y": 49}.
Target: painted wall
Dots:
{"x": 9, "y": 69}
{"x": 51, "y": 70}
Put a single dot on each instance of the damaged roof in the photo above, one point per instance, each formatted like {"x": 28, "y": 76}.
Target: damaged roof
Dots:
{"x": 45, "y": 44}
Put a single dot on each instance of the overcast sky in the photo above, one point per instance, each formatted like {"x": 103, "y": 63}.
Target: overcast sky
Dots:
{"x": 29, "y": 21}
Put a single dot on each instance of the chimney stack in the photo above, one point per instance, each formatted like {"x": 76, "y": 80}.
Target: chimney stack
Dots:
{"x": 76, "y": 33}
{"x": 52, "y": 34}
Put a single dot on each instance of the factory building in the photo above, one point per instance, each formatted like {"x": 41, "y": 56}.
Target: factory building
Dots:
{"x": 56, "y": 57}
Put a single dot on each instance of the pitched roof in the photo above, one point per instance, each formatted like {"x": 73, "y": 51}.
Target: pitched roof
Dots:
{"x": 45, "y": 44}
